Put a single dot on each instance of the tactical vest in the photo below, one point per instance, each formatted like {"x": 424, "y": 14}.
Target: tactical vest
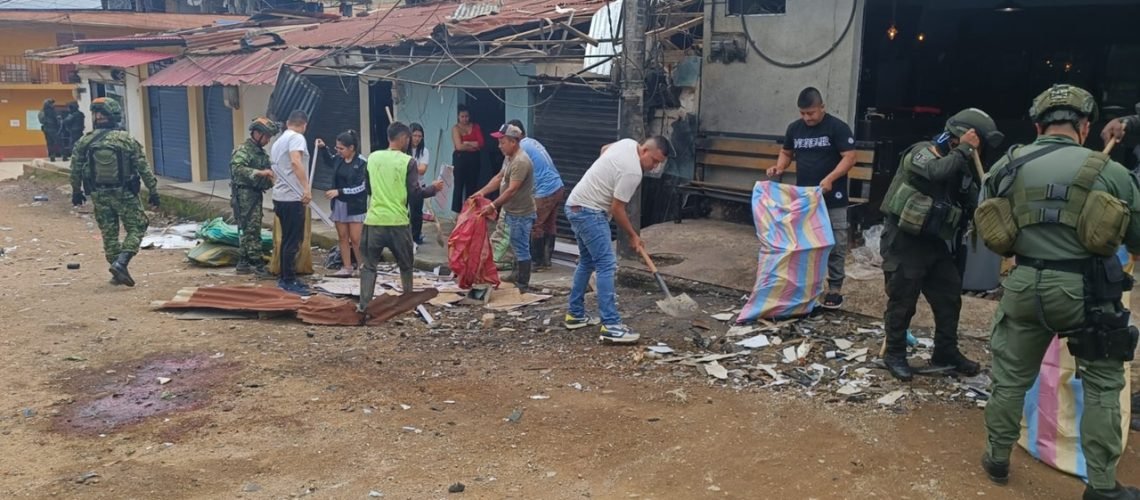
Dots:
{"x": 108, "y": 168}
{"x": 1099, "y": 218}
{"x": 916, "y": 211}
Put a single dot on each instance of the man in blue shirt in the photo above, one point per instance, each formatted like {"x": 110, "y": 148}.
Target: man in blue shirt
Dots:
{"x": 548, "y": 195}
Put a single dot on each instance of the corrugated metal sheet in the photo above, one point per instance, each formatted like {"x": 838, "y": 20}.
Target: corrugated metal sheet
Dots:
{"x": 472, "y": 10}
{"x": 252, "y": 68}
{"x": 148, "y": 21}
{"x": 418, "y": 22}
{"x": 291, "y": 92}
{"x": 604, "y": 25}
{"x": 115, "y": 58}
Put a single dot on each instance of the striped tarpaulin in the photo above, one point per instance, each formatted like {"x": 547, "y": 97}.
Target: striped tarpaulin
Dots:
{"x": 1051, "y": 422}
{"x": 795, "y": 240}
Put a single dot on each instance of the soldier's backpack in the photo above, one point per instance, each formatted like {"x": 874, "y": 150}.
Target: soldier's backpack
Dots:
{"x": 1099, "y": 218}
{"x": 106, "y": 162}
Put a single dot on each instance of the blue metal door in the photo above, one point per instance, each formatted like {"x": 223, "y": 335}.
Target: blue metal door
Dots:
{"x": 219, "y": 133}
{"x": 170, "y": 132}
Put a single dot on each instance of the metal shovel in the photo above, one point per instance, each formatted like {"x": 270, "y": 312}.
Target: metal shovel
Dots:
{"x": 677, "y": 306}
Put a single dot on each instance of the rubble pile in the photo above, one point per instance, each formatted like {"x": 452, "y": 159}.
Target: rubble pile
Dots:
{"x": 832, "y": 356}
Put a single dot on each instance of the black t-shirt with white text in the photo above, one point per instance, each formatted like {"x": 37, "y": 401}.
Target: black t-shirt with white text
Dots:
{"x": 818, "y": 151}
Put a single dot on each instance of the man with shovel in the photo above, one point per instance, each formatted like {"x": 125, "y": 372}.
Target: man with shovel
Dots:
{"x": 604, "y": 191}
{"x": 930, "y": 200}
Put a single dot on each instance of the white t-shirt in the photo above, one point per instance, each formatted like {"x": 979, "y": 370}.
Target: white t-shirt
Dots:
{"x": 614, "y": 175}
{"x": 283, "y": 165}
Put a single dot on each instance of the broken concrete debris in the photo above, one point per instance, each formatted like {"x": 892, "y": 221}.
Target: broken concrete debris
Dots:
{"x": 831, "y": 358}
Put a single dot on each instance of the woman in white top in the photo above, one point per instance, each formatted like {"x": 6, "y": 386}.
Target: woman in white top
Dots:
{"x": 418, "y": 151}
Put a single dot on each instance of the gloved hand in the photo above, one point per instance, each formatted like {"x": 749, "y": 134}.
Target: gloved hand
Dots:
{"x": 153, "y": 199}
{"x": 77, "y": 198}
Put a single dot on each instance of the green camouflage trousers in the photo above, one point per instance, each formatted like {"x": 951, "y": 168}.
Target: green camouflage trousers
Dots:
{"x": 1019, "y": 341}
{"x": 246, "y": 204}
{"x": 114, "y": 206}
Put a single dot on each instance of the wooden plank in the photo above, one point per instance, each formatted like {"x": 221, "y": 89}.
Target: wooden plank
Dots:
{"x": 745, "y": 146}
{"x": 719, "y": 160}
{"x": 864, "y": 156}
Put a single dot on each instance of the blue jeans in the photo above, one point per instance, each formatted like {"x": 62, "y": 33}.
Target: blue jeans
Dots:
{"x": 520, "y": 227}
{"x": 595, "y": 254}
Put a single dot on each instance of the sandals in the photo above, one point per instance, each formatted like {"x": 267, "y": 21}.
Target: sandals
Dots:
{"x": 832, "y": 300}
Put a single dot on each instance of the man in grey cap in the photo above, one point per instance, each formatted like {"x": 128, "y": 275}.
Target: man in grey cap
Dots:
{"x": 515, "y": 184}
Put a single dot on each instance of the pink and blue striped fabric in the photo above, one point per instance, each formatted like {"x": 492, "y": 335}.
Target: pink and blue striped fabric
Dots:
{"x": 1051, "y": 424}
{"x": 795, "y": 240}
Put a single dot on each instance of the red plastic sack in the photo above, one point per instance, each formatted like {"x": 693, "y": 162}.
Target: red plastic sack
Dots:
{"x": 469, "y": 250}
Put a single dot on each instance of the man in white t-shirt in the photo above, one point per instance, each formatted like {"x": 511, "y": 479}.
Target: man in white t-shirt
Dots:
{"x": 291, "y": 195}
{"x": 602, "y": 193}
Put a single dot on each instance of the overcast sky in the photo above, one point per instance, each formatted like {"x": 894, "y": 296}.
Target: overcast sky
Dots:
{"x": 49, "y": 4}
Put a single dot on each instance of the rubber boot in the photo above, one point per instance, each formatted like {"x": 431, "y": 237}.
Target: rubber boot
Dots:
{"x": 522, "y": 278}
{"x": 1120, "y": 492}
{"x": 548, "y": 257}
{"x": 998, "y": 472}
{"x": 898, "y": 367}
{"x": 367, "y": 287}
{"x": 406, "y": 283}
{"x": 538, "y": 253}
{"x": 119, "y": 269}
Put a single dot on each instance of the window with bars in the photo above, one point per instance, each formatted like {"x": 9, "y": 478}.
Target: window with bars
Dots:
{"x": 757, "y": 7}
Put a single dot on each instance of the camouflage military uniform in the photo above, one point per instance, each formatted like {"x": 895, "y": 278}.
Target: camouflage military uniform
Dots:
{"x": 246, "y": 198}
{"x": 115, "y": 204}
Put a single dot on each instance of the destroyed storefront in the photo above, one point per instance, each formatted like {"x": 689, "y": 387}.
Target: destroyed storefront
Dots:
{"x": 546, "y": 64}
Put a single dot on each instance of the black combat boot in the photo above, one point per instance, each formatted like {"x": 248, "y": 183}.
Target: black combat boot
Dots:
{"x": 1120, "y": 492}
{"x": 261, "y": 272}
{"x": 119, "y": 269}
{"x": 961, "y": 363}
{"x": 243, "y": 267}
{"x": 898, "y": 367}
{"x": 522, "y": 276}
{"x": 998, "y": 472}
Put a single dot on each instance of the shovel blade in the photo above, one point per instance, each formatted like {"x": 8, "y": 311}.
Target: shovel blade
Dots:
{"x": 679, "y": 306}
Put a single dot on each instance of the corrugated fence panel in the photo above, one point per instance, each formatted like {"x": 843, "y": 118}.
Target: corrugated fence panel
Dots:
{"x": 339, "y": 111}
{"x": 573, "y": 125}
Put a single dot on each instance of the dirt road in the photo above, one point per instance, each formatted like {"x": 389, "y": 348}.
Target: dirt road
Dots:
{"x": 275, "y": 409}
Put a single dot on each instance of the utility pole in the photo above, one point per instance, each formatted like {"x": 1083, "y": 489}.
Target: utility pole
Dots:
{"x": 632, "y": 99}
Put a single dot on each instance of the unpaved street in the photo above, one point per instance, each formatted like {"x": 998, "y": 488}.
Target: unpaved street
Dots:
{"x": 277, "y": 409}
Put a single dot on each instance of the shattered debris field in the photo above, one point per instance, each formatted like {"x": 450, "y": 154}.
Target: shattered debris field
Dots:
{"x": 105, "y": 397}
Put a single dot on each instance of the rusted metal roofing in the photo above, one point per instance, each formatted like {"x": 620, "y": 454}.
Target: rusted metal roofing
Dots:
{"x": 250, "y": 68}
{"x": 418, "y": 22}
{"x": 114, "y": 58}
{"x": 317, "y": 310}
{"x": 147, "y": 21}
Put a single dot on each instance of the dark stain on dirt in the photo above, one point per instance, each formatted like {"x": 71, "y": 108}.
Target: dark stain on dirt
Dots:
{"x": 129, "y": 393}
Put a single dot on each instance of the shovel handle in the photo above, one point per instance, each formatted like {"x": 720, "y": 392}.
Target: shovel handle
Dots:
{"x": 978, "y": 166}
{"x": 1108, "y": 147}
{"x": 648, "y": 261}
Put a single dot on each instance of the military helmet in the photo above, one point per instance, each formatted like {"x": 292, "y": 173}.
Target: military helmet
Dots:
{"x": 1063, "y": 102}
{"x": 974, "y": 118}
{"x": 265, "y": 126}
{"x": 108, "y": 107}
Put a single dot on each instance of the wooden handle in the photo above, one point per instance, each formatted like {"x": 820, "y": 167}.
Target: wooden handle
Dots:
{"x": 391, "y": 117}
{"x": 648, "y": 261}
{"x": 978, "y": 166}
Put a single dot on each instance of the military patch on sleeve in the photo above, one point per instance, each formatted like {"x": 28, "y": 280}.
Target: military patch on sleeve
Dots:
{"x": 922, "y": 157}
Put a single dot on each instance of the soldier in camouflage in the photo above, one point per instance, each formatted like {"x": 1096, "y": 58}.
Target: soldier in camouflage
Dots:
{"x": 930, "y": 201}
{"x": 109, "y": 165}
{"x": 251, "y": 174}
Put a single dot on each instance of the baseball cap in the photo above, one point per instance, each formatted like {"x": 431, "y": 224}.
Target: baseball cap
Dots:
{"x": 508, "y": 130}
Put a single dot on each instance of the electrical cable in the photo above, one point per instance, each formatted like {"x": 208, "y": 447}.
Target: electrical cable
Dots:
{"x": 809, "y": 62}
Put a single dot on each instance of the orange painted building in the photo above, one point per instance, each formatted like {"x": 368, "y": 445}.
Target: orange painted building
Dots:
{"x": 26, "y": 83}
